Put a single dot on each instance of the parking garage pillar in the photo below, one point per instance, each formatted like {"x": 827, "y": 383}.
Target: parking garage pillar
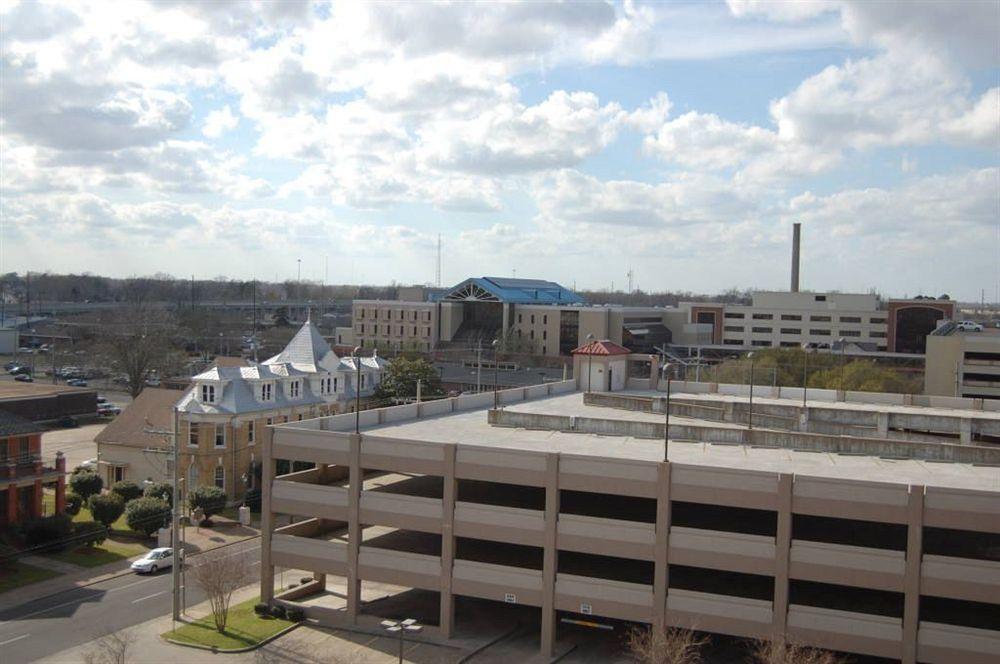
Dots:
{"x": 782, "y": 546}
{"x": 965, "y": 432}
{"x": 266, "y": 521}
{"x": 354, "y": 531}
{"x": 550, "y": 557}
{"x": 882, "y": 424}
{"x": 661, "y": 571}
{"x": 448, "y": 542}
{"x": 911, "y": 575}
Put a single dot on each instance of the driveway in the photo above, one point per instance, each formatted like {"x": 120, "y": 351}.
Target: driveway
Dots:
{"x": 77, "y": 444}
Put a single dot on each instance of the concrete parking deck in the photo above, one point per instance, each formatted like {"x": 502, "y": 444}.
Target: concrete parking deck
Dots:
{"x": 471, "y": 427}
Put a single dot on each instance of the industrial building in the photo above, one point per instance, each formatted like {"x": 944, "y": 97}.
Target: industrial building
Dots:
{"x": 963, "y": 363}
{"x": 837, "y": 520}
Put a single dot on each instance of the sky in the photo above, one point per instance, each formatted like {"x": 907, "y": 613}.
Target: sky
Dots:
{"x": 566, "y": 141}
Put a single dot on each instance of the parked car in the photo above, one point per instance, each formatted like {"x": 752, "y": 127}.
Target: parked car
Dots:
{"x": 10, "y": 365}
{"x": 20, "y": 370}
{"x": 90, "y": 464}
{"x": 68, "y": 422}
{"x": 24, "y": 378}
{"x": 76, "y": 382}
{"x": 108, "y": 410}
{"x": 101, "y": 399}
{"x": 969, "y": 326}
{"x": 155, "y": 560}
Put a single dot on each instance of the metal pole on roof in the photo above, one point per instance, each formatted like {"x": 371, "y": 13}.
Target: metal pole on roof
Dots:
{"x": 666, "y": 415}
{"x": 496, "y": 373}
{"x": 750, "y": 414}
{"x": 590, "y": 360}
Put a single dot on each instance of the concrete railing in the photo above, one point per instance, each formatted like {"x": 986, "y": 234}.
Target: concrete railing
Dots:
{"x": 795, "y": 440}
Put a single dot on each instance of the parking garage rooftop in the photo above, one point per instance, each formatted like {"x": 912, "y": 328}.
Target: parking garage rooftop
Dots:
{"x": 471, "y": 427}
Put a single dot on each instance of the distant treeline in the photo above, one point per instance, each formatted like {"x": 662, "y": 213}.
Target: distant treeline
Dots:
{"x": 49, "y": 287}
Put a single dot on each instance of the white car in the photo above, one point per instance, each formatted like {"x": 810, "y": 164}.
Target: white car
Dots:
{"x": 154, "y": 561}
{"x": 969, "y": 326}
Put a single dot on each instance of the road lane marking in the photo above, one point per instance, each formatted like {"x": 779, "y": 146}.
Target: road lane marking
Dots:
{"x": 142, "y": 599}
{"x": 72, "y": 602}
{"x": 16, "y": 638}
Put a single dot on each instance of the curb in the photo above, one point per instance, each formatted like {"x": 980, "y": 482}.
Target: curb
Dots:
{"x": 114, "y": 575}
{"x": 233, "y": 650}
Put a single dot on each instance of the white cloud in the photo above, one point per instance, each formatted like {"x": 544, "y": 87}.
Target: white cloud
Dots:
{"x": 219, "y": 121}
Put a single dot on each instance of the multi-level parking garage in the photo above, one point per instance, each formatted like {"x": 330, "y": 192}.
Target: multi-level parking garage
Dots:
{"x": 893, "y": 556}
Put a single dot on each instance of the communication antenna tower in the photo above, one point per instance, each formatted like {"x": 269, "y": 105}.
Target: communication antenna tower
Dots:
{"x": 437, "y": 274}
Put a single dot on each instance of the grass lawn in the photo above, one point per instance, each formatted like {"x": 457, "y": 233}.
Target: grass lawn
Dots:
{"x": 243, "y": 629}
{"x": 109, "y": 551}
{"x": 21, "y": 574}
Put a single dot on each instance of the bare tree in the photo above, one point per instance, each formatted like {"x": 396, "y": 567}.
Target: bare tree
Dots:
{"x": 778, "y": 651}
{"x": 112, "y": 648}
{"x": 665, "y": 645}
{"x": 138, "y": 340}
{"x": 219, "y": 575}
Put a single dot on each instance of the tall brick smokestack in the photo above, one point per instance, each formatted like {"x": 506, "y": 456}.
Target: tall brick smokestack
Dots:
{"x": 796, "y": 237}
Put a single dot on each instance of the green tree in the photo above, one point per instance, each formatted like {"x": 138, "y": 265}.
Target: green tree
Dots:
{"x": 106, "y": 508}
{"x": 127, "y": 490}
{"x": 162, "y": 490}
{"x": 210, "y": 499}
{"x": 400, "y": 379}
{"x": 73, "y": 504}
{"x": 147, "y": 514}
{"x": 86, "y": 484}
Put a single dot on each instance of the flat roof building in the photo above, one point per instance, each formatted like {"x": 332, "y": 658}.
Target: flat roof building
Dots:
{"x": 562, "y": 503}
{"x": 963, "y": 363}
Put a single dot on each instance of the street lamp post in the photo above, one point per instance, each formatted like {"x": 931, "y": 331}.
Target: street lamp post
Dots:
{"x": 750, "y": 414}
{"x": 590, "y": 360}
{"x": 356, "y": 354}
{"x": 666, "y": 414}
{"x": 805, "y": 375}
{"x": 496, "y": 374}
{"x": 401, "y": 627}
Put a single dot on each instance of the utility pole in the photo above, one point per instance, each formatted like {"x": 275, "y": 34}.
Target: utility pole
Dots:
{"x": 175, "y": 519}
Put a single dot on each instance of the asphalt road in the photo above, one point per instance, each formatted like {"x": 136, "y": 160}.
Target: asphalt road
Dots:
{"x": 49, "y": 625}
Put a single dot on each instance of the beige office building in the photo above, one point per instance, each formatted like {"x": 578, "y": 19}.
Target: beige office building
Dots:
{"x": 963, "y": 364}
{"x": 555, "y": 503}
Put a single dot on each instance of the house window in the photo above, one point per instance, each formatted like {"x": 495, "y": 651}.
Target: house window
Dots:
{"x": 762, "y": 330}
{"x": 532, "y": 319}
{"x": 791, "y": 330}
{"x": 850, "y": 319}
{"x": 220, "y": 435}
{"x": 362, "y": 381}
{"x": 300, "y": 417}
{"x": 266, "y": 392}
{"x": 545, "y": 319}
{"x": 295, "y": 389}
{"x": 821, "y": 298}
{"x": 545, "y": 335}
{"x": 220, "y": 477}
{"x": 820, "y": 333}
{"x": 208, "y": 393}
{"x": 519, "y": 318}
{"x": 531, "y": 334}
{"x": 820, "y": 319}
{"x": 193, "y": 434}
{"x": 270, "y": 421}
{"x": 361, "y": 314}
{"x": 791, "y": 317}
{"x": 335, "y": 386}
{"x": 732, "y": 328}
{"x": 250, "y": 432}
{"x": 730, "y": 314}
{"x": 763, "y": 316}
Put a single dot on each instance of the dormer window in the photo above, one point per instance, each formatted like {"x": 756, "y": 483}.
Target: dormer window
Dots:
{"x": 266, "y": 392}
{"x": 295, "y": 389}
{"x": 208, "y": 393}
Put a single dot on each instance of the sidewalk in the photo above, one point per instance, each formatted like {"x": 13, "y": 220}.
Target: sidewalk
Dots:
{"x": 223, "y": 531}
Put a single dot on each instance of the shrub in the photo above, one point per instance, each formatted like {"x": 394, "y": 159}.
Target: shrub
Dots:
{"x": 306, "y": 579}
{"x": 8, "y": 556}
{"x": 89, "y": 533}
{"x": 162, "y": 490}
{"x": 73, "y": 503}
{"x": 127, "y": 490}
{"x": 261, "y": 609}
{"x": 211, "y": 500}
{"x": 295, "y": 615}
{"x": 277, "y": 611}
{"x": 86, "y": 483}
{"x": 48, "y": 530}
{"x": 146, "y": 515}
{"x": 106, "y": 508}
